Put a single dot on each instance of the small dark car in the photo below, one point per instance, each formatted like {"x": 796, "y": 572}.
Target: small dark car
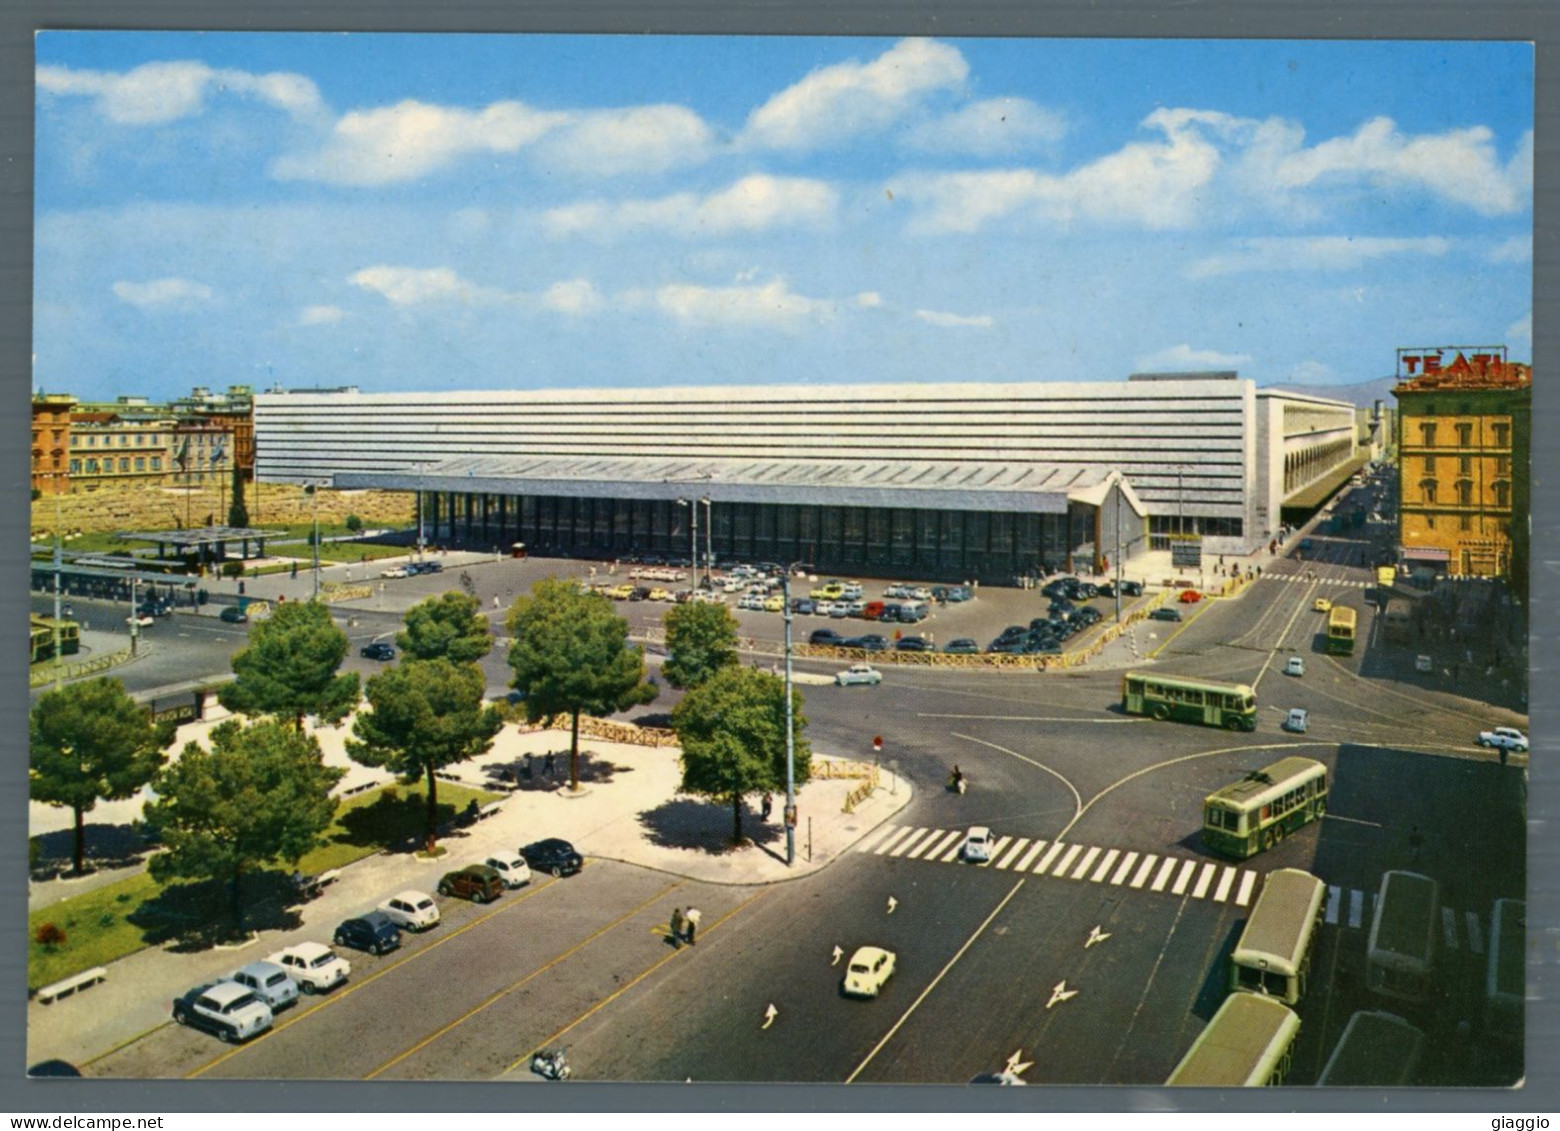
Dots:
{"x": 378, "y": 650}
{"x": 826, "y": 636}
{"x": 476, "y": 882}
{"x": 913, "y": 644}
{"x": 373, "y": 931}
{"x": 233, "y": 615}
{"x": 1165, "y": 613}
{"x": 553, "y": 855}
{"x": 869, "y": 643}
{"x": 963, "y": 646}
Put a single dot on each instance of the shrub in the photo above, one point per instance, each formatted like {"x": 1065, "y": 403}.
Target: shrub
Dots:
{"x": 354, "y": 523}
{"x": 49, "y": 936}
{"x": 232, "y": 569}
{"x": 107, "y": 919}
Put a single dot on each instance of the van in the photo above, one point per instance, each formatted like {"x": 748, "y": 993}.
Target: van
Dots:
{"x": 913, "y": 611}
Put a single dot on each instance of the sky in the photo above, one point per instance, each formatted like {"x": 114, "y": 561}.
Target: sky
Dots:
{"x": 441, "y": 212}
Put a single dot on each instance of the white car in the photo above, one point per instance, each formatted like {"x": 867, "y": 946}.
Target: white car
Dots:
{"x": 1295, "y": 666}
{"x": 269, "y": 982}
{"x": 977, "y": 845}
{"x": 1297, "y": 720}
{"x": 823, "y": 608}
{"x": 1504, "y": 738}
{"x": 851, "y": 591}
{"x": 411, "y": 910}
{"x": 394, "y": 571}
{"x": 315, "y": 967}
{"x": 859, "y": 673}
{"x": 870, "y": 967}
{"x": 511, "y": 866}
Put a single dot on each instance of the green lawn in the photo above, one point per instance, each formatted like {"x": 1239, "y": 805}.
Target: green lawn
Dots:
{"x": 121, "y": 918}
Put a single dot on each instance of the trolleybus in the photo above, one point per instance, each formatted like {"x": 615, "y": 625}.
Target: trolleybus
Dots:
{"x": 1341, "y": 623}
{"x": 1377, "y": 1050}
{"x": 1257, "y": 812}
{"x": 1247, "y": 1045}
{"x": 1273, "y": 956}
{"x": 1400, "y": 953}
{"x": 1505, "y": 985}
{"x": 1231, "y": 705}
{"x": 42, "y": 638}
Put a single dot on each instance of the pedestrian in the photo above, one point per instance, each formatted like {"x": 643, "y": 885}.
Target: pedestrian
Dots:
{"x": 525, "y": 767}
{"x": 550, "y": 764}
{"x": 768, "y": 807}
{"x": 240, "y": 588}
{"x": 693, "y": 917}
{"x": 295, "y": 571}
{"x": 677, "y": 928}
{"x": 495, "y": 600}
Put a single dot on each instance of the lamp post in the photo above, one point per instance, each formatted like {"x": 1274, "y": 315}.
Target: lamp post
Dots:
{"x": 709, "y": 552}
{"x": 314, "y": 490}
{"x": 790, "y": 726}
{"x": 693, "y": 537}
{"x": 59, "y": 567}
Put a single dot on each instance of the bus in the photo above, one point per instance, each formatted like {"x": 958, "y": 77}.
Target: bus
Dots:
{"x": 1377, "y": 1050}
{"x": 1255, "y": 813}
{"x": 1248, "y": 1044}
{"x": 1400, "y": 953}
{"x": 1505, "y": 983}
{"x": 1273, "y": 956}
{"x": 42, "y": 638}
{"x": 1340, "y": 630}
{"x": 1216, "y": 704}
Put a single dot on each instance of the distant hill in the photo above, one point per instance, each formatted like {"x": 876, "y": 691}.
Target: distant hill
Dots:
{"x": 1364, "y": 394}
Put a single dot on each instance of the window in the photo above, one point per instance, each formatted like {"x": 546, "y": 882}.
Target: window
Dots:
{"x": 1464, "y": 435}
{"x": 140, "y": 463}
{"x": 124, "y": 441}
{"x": 1429, "y": 522}
{"x": 124, "y": 465}
{"x": 1502, "y": 465}
{"x": 140, "y": 440}
{"x": 1503, "y": 494}
{"x": 1465, "y": 465}
{"x": 1465, "y": 522}
{"x": 157, "y": 463}
{"x": 1464, "y": 493}
{"x": 1427, "y": 486}
{"x": 92, "y": 465}
{"x": 75, "y": 467}
{"x": 1429, "y": 465}
{"x": 1502, "y": 435}
{"x": 1427, "y": 434}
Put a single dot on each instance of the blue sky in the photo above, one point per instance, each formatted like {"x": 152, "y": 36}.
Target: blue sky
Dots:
{"x": 452, "y": 212}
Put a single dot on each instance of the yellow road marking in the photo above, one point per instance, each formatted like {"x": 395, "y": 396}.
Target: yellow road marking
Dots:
{"x": 463, "y": 1018}
{"x": 374, "y": 977}
{"x": 620, "y": 991}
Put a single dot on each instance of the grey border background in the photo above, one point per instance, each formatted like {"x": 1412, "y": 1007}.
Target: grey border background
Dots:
{"x": 1263, "y": 19}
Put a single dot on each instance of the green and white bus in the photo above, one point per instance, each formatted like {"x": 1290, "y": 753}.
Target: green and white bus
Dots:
{"x": 1255, "y": 813}
{"x": 1207, "y": 701}
{"x": 1400, "y": 953}
{"x": 1248, "y": 1044}
{"x": 1341, "y": 625}
{"x": 1505, "y": 985}
{"x": 1273, "y": 956}
{"x": 1377, "y": 1050}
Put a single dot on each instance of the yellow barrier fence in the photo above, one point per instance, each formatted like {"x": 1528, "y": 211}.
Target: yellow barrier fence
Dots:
{"x": 42, "y": 676}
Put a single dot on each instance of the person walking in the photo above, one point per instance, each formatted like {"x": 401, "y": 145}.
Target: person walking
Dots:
{"x": 550, "y": 764}
{"x": 768, "y": 807}
{"x": 693, "y": 917}
{"x": 677, "y": 928}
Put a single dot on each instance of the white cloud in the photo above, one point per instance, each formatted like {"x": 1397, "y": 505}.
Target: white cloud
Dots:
{"x": 842, "y": 101}
{"x": 1518, "y": 249}
{"x": 942, "y": 318}
{"x": 990, "y": 128}
{"x": 1184, "y": 357}
{"x": 157, "y": 93}
{"x": 405, "y": 286}
{"x": 412, "y": 139}
{"x": 163, "y": 294}
{"x": 869, "y": 300}
{"x": 1313, "y": 253}
{"x": 753, "y": 204}
{"x": 774, "y": 305}
{"x": 1519, "y": 338}
{"x": 637, "y": 139}
{"x": 323, "y": 315}
{"x": 573, "y": 296}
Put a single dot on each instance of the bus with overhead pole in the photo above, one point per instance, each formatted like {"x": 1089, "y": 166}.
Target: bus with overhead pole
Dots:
{"x": 1256, "y": 812}
{"x": 1188, "y": 699}
{"x": 1273, "y": 956}
{"x": 1248, "y": 1044}
{"x": 1377, "y": 1050}
{"x": 1401, "y": 949}
{"x": 1341, "y": 624}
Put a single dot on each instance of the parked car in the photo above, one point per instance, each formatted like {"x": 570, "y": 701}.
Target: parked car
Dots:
{"x": 1131, "y": 588}
{"x": 826, "y": 636}
{"x": 373, "y": 931}
{"x": 1297, "y": 720}
{"x": 314, "y": 966}
{"x": 1504, "y": 738}
{"x": 859, "y": 674}
{"x": 394, "y": 571}
{"x": 823, "y": 608}
{"x": 977, "y": 845}
{"x": 871, "y": 642}
{"x": 898, "y": 589}
{"x": 957, "y": 593}
{"x": 830, "y": 591}
{"x": 511, "y": 868}
{"x": 851, "y": 591}
{"x": 412, "y": 910}
{"x": 1165, "y": 612}
{"x": 378, "y": 650}
{"x": 476, "y": 882}
{"x": 269, "y": 982}
{"x": 1295, "y": 666}
{"x": 233, "y": 615}
{"x": 963, "y": 646}
{"x": 553, "y": 855}
{"x": 913, "y": 644}
{"x": 231, "y": 1011}
{"x": 868, "y": 971}
{"x": 1189, "y": 597}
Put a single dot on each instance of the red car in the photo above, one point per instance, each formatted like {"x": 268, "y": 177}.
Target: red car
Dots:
{"x": 1190, "y": 596}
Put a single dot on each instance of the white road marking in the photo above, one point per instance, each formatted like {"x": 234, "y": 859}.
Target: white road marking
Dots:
{"x": 1475, "y": 935}
{"x": 1226, "y": 881}
{"x": 1356, "y": 907}
{"x": 1045, "y": 861}
{"x": 992, "y": 853}
{"x": 1449, "y": 927}
{"x": 1110, "y": 858}
{"x": 1126, "y": 866}
{"x": 1142, "y": 873}
{"x": 1163, "y": 877}
{"x": 1034, "y": 850}
{"x": 1184, "y": 878}
{"x": 1334, "y": 898}
{"x": 873, "y": 837}
{"x": 957, "y": 849}
{"x": 937, "y": 835}
{"x": 1066, "y": 862}
{"x": 1204, "y": 880}
{"x": 1248, "y": 880}
{"x": 915, "y": 837}
{"x": 1083, "y": 865}
{"x": 891, "y": 841}
{"x": 1018, "y": 847}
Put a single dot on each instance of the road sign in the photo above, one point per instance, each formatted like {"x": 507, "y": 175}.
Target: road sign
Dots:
{"x": 877, "y": 743}
{"x": 790, "y": 816}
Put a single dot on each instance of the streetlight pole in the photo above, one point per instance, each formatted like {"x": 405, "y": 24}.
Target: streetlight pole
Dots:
{"x": 693, "y": 537}
{"x": 314, "y": 490}
{"x": 709, "y": 552}
{"x": 790, "y": 729}
{"x": 1121, "y": 498}
{"x": 59, "y": 568}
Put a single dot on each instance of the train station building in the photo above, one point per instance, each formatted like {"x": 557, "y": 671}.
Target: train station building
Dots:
{"x": 944, "y": 480}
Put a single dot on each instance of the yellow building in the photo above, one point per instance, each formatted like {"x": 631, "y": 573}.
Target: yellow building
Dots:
{"x": 51, "y": 415}
{"x": 107, "y": 449}
{"x": 1463, "y": 435}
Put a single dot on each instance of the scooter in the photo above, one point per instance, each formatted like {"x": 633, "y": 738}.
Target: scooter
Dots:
{"x": 957, "y": 783}
{"x": 551, "y": 1064}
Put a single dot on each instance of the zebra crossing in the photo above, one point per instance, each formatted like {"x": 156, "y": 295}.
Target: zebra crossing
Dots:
{"x": 1139, "y": 871}
{"x": 1324, "y": 582}
{"x": 1351, "y": 909}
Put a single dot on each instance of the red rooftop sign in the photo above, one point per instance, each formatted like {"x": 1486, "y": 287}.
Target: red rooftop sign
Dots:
{"x": 1433, "y": 359}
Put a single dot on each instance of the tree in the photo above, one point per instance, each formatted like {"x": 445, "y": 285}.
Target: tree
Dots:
{"x": 289, "y": 667}
{"x": 238, "y": 512}
{"x": 261, "y": 794}
{"x": 427, "y": 714}
{"x": 700, "y": 640}
{"x": 91, "y": 742}
{"x": 446, "y": 627}
{"x": 571, "y": 655}
{"x": 732, "y": 730}
{"x": 353, "y": 523}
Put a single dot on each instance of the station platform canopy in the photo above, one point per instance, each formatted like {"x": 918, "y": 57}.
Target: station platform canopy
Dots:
{"x": 1314, "y": 494}
{"x": 200, "y": 539}
{"x": 933, "y": 484}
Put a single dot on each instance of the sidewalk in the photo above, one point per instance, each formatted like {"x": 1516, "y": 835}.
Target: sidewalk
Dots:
{"x": 628, "y": 809}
